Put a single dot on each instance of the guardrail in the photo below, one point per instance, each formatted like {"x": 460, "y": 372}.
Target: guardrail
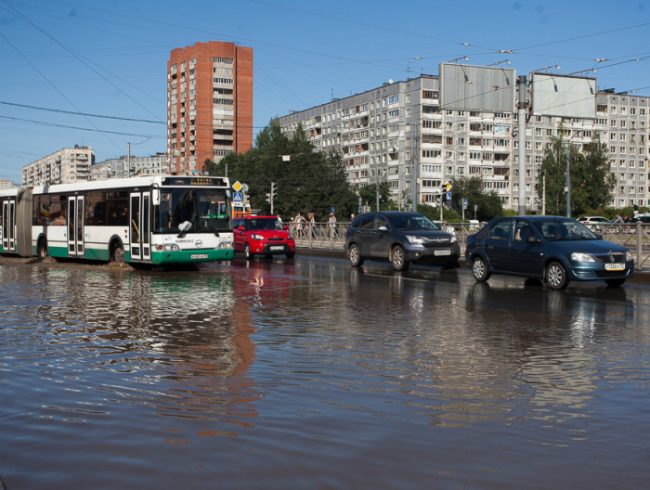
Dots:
{"x": 633, "y": 236}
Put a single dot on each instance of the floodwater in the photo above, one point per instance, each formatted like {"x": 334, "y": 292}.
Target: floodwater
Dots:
{"x": 308, "y": 374}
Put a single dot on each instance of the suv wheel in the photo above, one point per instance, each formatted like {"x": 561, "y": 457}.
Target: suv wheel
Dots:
{"x": 555, "y": 276}
{"x": 355, "y": 255}
{"x": 398, "y": 258}
{"x": 480, "y": 269}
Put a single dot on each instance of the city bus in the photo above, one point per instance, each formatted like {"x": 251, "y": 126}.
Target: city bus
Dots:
{"x": 159, "y": 220}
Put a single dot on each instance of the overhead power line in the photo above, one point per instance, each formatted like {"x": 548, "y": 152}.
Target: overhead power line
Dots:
{"x": 43, "y": 123}
{"x": 77, "y": 113}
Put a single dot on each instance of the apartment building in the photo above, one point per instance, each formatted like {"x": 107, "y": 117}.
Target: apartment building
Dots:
{"x": 399, "y": 133}
{"x": 209, "y": 104}
{"x": 624, "y": 120}
{"x": 61, "y": 167}
{"x": 125, "y": 166}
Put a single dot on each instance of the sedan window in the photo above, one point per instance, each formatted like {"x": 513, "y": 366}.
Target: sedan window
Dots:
{"x": 501, "y": 231}
{"x": 565, "y": 230}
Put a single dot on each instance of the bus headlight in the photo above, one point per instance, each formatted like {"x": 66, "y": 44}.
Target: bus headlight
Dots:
{"x": 225, "y": 245}
{"x": 167, "y": 247}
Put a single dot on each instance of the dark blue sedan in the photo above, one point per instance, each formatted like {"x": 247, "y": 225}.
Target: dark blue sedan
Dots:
{"x": 551, "y": 248}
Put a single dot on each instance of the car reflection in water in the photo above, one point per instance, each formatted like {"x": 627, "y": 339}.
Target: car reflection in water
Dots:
{"x": 552, "y": 336}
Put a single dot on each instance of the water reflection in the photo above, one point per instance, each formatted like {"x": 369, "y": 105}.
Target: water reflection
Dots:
{"x": 179, "y": 343}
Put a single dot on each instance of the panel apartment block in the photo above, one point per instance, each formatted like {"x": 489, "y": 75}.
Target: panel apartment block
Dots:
{"x": 61, "y": 167}
{"x": 209, "y": 104}
{"x": 398, "y": 131}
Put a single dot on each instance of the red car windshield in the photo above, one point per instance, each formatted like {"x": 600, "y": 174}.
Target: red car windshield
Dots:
{"x": 263, "y": 224}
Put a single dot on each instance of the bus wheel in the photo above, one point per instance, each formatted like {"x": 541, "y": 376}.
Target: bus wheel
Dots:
{"x": 42, "y": 248}
{"x": 117, "y": 254}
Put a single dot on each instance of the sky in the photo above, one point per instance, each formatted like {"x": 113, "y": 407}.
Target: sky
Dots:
{"x": 66, "y": 62}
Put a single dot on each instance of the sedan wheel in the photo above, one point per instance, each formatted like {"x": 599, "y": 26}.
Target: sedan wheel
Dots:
{"x": 398, "y": 258}
{"x": 555, "y": 276}
{"x": 355, "y": 255}
{"x": 480, "y": 269}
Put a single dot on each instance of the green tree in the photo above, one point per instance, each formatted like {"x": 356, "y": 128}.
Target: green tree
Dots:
{"x": 306, "y": 181}
{"x": 591, "y": 180}
{"x": 368, "y": 196}
{"x": 488, "y": 203}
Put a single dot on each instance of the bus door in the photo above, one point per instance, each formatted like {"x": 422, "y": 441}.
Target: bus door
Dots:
{"x": 76, "y": 226}
{"x": 8, "y": 226}
{"x": 140, "y": 225}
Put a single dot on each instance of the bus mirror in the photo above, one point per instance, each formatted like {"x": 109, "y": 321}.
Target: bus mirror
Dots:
{"x": 184, "y": 226}
{"x": 155, "y": 197}
{"x": 228, "y": 193}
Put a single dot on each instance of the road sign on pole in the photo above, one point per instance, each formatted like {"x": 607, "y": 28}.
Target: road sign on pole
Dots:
{"x": 238, "y": 196}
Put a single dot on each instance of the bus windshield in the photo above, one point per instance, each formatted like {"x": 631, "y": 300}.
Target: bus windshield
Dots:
{"x": 206, "y": 209}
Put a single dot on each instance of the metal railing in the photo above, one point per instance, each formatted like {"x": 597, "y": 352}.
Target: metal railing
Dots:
{"x": 633, "y": 236}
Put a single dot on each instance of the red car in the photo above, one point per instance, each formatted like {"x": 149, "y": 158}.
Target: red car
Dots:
{"x": 262, "y": 235}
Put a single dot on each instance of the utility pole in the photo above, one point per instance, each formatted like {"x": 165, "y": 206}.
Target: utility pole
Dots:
{"x": 377, "y": 194}
{"x": 128, "y": 160}
{"x": 522, "y": 86}
{"x": 567, "y": 181}
{"x": 544, "y": 194}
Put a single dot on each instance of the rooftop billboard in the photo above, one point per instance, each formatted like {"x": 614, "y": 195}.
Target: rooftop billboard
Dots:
{"x": 563, "y": 95}
{"x": 477, "y": 88}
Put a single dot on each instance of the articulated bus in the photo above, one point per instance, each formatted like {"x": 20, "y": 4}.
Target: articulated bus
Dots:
{"x": 148, "y": 220}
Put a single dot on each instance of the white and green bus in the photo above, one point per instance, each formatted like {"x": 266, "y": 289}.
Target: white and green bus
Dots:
{"x": 159, "y": 220}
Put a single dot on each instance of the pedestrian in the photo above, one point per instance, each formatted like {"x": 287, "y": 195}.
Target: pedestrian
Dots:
{"x": 297, "y": 223}
{"x": 311, "y": 224}
{"x": 331, "y": 222}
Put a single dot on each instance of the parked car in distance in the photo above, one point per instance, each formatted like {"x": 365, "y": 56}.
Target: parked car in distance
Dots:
{"x": 401, "y": 238}
{"x": 262, "y": 235}
{"x": 555, "y": 249}
{"x": 591, "y": 220}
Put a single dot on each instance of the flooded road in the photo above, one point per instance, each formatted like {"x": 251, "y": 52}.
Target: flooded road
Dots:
{"x": 308, "y": 374}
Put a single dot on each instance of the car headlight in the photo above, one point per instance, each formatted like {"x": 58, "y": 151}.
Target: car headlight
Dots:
{"x": 582, "y": 257}
{"x": 414, "y": 239}
{"x": 257, "y": 237}
{"x": 629, "y": 256}
{"x": 453, "y": 239}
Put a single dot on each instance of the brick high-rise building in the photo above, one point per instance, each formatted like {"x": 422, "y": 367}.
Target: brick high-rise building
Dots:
{"x": 209, "y": 104}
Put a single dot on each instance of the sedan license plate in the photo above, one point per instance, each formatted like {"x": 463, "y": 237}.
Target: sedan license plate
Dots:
{"x": 442, "y": 252}
{"x": 277, "y": 247}
{"x": 616, "y": 266}
{"x": 199, "y": 256}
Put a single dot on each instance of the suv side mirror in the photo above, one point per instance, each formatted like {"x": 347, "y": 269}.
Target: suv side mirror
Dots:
{"x": 240, "y": 227}
{"x": 598, "y": 236}
{"x": 285, "y": 227}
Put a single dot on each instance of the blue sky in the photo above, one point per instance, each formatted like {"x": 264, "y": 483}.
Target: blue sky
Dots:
{"x": 109, "y": 58}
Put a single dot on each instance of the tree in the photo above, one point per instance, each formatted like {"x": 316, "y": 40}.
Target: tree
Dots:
{"x": 306, "y": 181}
{"x": 368, "y": 196}
{"x": 488, "y": 204}
{"x": 591, "y": 180}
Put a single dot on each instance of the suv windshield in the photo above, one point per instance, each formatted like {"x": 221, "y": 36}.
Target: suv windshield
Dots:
{"x": 411, "y": 222}
{"x": 565, "y": 230}
{"x": 206, "y": 209}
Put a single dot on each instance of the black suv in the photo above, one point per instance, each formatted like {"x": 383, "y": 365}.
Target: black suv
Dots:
{"x": 401, "y": 238}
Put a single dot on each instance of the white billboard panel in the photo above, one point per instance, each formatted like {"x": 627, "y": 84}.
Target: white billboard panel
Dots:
{"x": 477, "y": 88}
{"x": 564, "y": 96}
